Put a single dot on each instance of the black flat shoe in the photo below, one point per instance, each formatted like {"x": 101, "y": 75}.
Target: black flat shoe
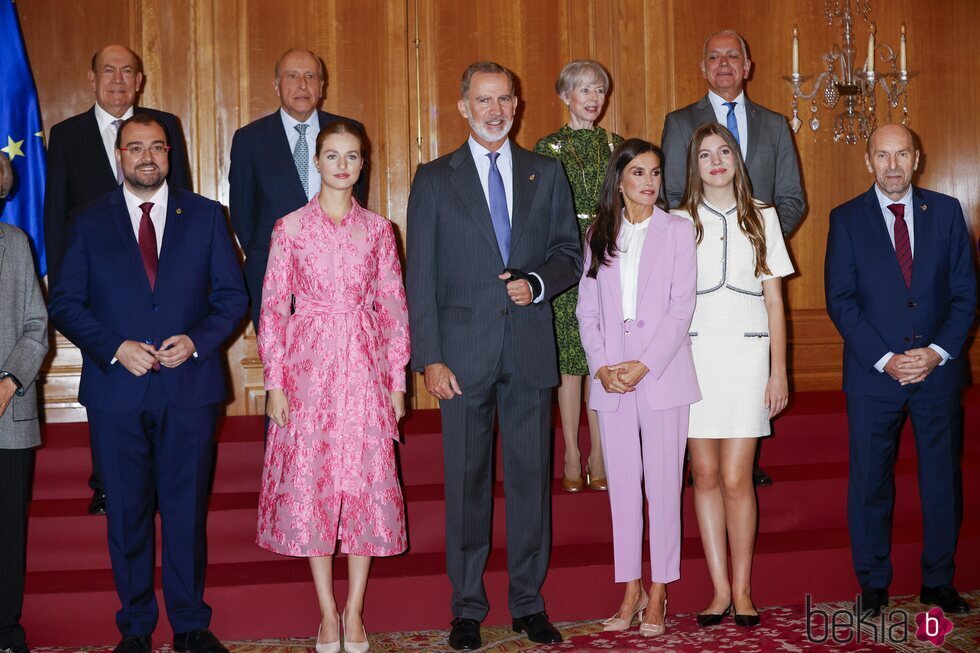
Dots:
{"x": 97, "y": 505}
{"x": 706, "y": 619}
{"x": 198, "y": 641}
{"x": 134, "y": 644}
{"x": 946, "y": 597}
{"x": 465, "y": 635}
{"x": 872, "y": 600}
{"x": 538, "y": 628}
{"x": 760, "y": 478}
{"x": 747, "y": 620}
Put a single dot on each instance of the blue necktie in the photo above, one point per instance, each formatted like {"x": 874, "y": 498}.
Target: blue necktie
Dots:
{"x": 498, "y": 208}
{"x": 732, "y": 121}
{"x": 301, "y": 155}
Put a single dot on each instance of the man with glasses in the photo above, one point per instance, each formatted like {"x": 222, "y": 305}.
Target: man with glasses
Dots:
{"x": 149, "y": 290}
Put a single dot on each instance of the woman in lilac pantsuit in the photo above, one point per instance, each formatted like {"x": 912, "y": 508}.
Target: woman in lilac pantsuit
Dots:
{"x": 636, "y": 301}
{"x": 335, "y": 378}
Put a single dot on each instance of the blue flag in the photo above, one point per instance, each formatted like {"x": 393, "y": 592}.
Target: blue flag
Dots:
{"x": 21, "y": 134}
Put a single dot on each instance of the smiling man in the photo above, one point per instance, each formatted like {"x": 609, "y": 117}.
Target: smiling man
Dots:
{"x": 492, "y": 237}
{"x": 272, "y": 170}
{"x": 82, "y": 162}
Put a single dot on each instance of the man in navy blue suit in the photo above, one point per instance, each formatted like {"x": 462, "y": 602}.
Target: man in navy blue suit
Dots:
{"x": 902, "y": 291}
{"x": 272, "y": 170}
{"x": 149, "y": 289}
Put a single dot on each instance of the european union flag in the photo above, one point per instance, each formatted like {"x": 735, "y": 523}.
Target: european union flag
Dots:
{"x": 21, "y": 134}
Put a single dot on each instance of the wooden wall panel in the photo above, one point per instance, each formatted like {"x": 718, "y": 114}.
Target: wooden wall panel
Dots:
{"x": 211, "y": 63}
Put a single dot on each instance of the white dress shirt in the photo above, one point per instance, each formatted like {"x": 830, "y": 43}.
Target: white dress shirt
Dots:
{"x": 292, "y": 136}
{"x": 883, "y": 202}
{"x": 630, "y": 245}
{"x": 505, "y": 165}
{"x": 108, "y": 133}
{"x": 158, "y": 213}
{"x": 721, "y": 113}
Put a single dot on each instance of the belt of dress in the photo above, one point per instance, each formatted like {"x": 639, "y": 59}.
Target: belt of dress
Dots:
{"x": 310, "y": 306}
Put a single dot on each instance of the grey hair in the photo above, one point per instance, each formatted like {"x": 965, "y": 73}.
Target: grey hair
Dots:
{"x": 578, "y": 71}
{"x": 487, "y": 68}
{"x": 725, "y": 32}
{"x": 323, "y": 70}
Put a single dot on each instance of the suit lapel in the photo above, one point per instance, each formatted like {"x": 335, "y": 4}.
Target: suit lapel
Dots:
{"x": 173, "y": 231}
{"x": 466, "y": 181}
{"x": 610, "y": 276}
{"x": 525, "y": 186}
{"x": 2, "y": 248}
{"x": 704, "y": 113}
{"x": 124, "y": 230}
{"x": 90, "y": 140}
{"x": 922, "y": 229}
{"x": 752, "y": 130}
{"x": 280, "y": 157}
{"x": 653, "y": 244}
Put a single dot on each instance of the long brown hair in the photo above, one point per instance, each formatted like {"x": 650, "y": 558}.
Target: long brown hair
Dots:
{"x": 747, "y": 208}
{"x": 602, "y": 235}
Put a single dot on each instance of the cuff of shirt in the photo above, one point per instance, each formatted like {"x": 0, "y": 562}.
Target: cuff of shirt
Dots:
{"x": 942, "y": 352}
{"x": 540, "y": 297}
{"x": 880, "y": 365}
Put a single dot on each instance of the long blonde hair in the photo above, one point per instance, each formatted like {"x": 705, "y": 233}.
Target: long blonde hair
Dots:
{"x": 747, "y": 208}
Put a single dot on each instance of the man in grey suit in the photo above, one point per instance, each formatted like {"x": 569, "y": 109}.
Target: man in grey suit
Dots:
{"x": 23, "y": 344}
{"x": 763, "y": 137}
{"x": 492, "y": 237}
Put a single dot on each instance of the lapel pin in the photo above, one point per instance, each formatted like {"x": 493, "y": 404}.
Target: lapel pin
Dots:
{"x": 178, "y": 211}
{"x": 531, "y": 178}
{"x": 923, "y": 207}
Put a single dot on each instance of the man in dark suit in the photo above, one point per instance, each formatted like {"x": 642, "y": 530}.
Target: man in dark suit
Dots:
{"x": 272, "y": 170}
{"x": 902, "y": 291}
{"x": 150, "y": 289}
{"x": 82, "y": 162}
{"x": 23, "y": 344}
{"x": 763, "y": 137}
{"x": 492, "y": 237}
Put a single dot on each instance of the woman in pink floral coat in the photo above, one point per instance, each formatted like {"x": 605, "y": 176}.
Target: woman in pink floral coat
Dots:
{"x": 335, "y": 384}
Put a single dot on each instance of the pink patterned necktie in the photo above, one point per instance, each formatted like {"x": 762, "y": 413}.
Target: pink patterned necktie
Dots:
{"x": 903, "y": 247}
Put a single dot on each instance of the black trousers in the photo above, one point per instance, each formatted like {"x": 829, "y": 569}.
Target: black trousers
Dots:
{"x": 16, "y": 470}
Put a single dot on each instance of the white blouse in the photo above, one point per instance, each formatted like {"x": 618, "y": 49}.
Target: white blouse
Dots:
{"x": 630, "y": 245}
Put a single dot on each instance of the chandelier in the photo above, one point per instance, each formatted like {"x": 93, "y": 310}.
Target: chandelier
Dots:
{"x": 849, "y": 83}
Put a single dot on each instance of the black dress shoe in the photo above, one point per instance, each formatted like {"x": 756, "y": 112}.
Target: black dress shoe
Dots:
{"x": 198, "y": 641}
{"x": 872, "y": 600}
{"x": 97, "y": 505}
{"x": 465, "y": 635}
{"x": 134, "y": 644}
{"x": 945, "y": 597}
{"x": 760, "y": 478}
{"x": 538, "y": 628}
{"x": 16, "y": 648}
{"x": 747, "y": 620}
{"x": 706, "y": 619}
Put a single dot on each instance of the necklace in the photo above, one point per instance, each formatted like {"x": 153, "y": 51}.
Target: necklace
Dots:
{"x": 600, "y": 164}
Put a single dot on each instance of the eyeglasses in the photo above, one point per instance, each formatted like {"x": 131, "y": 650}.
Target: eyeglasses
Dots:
{"x": 156, "y": 149}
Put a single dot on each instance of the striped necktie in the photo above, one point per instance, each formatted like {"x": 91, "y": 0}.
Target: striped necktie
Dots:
{"x": 903, "y": 246}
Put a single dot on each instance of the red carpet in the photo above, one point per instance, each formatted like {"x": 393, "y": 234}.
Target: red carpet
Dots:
{"x": 803, "y": 545}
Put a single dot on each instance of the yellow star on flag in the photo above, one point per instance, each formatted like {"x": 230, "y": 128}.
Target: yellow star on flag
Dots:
{"x": 13, "y": 148}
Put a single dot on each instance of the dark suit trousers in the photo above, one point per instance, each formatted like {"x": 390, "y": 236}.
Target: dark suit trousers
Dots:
{"x": 16, "y": 468}
{"x": 154, "y": 457}
{"x": 524, "y": 414}
{"x": 875, "y": 425}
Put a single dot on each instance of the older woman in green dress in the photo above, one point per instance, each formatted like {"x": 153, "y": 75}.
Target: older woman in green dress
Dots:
{"x": 584, "y": 149}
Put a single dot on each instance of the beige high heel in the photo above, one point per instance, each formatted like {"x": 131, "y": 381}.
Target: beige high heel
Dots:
{"x": 654, "y": 630}
{"x": 616, "y": 623}
{"x": 354, "y": 647}
{"x": 327, "y": 647}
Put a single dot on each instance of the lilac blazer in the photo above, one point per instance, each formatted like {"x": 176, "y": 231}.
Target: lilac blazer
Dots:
{"x": 666, "y": 292}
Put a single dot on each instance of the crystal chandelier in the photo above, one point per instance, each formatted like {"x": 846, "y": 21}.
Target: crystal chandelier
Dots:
{"x": 850, "y": 82}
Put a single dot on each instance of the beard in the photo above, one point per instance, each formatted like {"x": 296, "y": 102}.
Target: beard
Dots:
{"x": 148, "y": 180}
{"x": 486, "y": 134}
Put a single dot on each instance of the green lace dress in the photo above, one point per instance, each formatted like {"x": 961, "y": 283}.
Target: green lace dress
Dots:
{"x": 584, "y": 153}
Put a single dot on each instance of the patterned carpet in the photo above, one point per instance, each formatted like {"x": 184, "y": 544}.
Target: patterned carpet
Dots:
{"x": 786, "y": 629}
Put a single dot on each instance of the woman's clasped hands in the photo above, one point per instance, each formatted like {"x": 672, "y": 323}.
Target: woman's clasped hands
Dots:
{"x": 621, "y": 377}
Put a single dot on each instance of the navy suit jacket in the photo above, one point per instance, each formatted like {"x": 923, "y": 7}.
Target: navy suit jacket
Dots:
{"x": 103, "y": 297}
{"x": 873, "y": 309}
{"x": 264, "y": 187}
{"x": 78, "y": 172}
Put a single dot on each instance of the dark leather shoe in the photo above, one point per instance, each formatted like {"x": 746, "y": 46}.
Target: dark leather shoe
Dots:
{"x": 760, "y": 478}
{"x": 872, "y": 600}
{"x": 18, "y": 648}
{"x": 538, "y": 628}
{"x": 706, "y": 619}
{"x": 134, "y": 644}
{"x": 198, "y": 641}
{"x": 747, "y": 620}
{"x": 945, "y": 597}
{"x": 97, "y": 505}
{"x": 465, "y": 635}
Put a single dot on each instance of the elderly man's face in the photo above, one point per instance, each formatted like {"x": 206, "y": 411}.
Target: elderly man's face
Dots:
{"x": 116, "y": 79}
{"x": 300, "y": 85}
{"x": 892, "y": 158}
{"x": 725, "y": 67}
{"x": 489, "y": 108}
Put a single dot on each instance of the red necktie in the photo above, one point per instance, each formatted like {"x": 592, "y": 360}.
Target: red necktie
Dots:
{"x": 903, "y": 248}
{"x": 148, "y": 244}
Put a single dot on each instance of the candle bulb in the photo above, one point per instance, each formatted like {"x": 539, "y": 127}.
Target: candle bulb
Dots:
{"x": 902, "y": 59}
{"x": 869, "y": 65}
{"x": 796, "y": 50}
